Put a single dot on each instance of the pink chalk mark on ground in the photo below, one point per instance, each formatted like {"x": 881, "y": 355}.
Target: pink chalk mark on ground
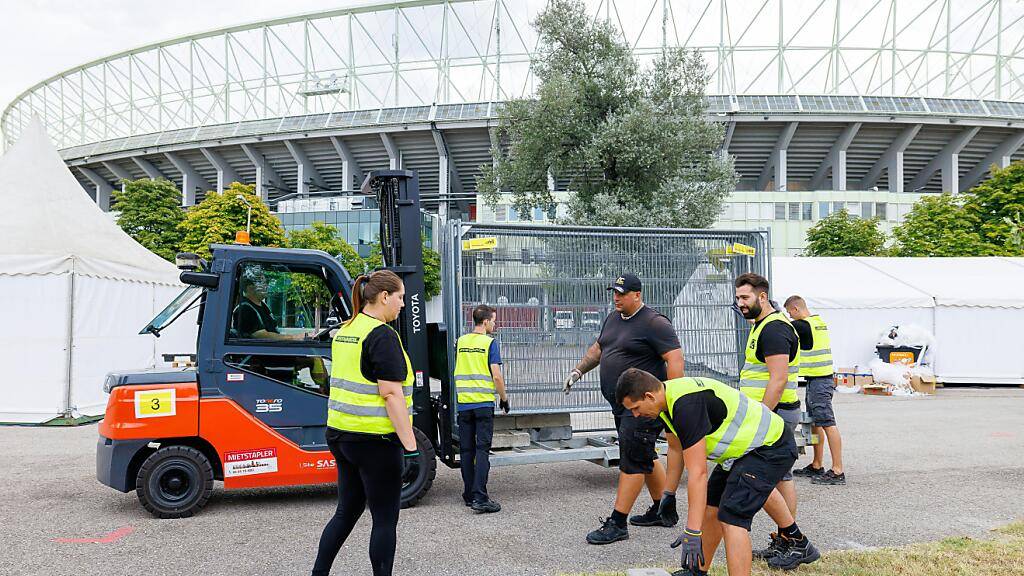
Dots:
{"x": 1003, "y": 435}
{"x": 112, "y": 537}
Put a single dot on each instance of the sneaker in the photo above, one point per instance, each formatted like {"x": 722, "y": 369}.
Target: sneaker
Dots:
{"x": 487, "y": 507}
{"x": 468, "y": 503}
{"x": 808, "y": 470}
{"x": 774, "y": 547}
{"x": 689, "y": 572}
{"x": 608, "y": 532}
{"x": 830, "y": 478}
{"x": 793, "y": 554}
{"x": 653, "y": 518}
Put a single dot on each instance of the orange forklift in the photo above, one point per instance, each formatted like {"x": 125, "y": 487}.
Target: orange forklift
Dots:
{"x": 252, "y": 409}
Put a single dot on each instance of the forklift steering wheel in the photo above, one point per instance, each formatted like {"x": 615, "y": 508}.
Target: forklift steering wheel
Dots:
{"x": 319, "y": 335}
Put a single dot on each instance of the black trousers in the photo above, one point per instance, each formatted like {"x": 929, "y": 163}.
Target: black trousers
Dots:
{"x": 476, "y": 429}
{"x": 369, "y": 475}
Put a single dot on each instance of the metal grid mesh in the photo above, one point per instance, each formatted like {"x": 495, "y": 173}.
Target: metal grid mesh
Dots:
{"x": 549, "y": 286}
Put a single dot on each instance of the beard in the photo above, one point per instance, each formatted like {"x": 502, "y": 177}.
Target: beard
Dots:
{"x": 753, "y": 311}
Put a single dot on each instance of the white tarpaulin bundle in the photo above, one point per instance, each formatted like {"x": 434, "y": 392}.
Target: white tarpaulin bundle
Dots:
{"x": 969, "y": 304}
{"x": 76, "y": 288}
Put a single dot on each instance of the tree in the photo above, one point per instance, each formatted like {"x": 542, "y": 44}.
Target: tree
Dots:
{"x": 431, "y": 267}
{"x": 321, "y": 236}
{"x": 842, "y": 235}
{"x": 940, "y": 226}
{"x": 150, "y": 212}
{"x": 216, "y": 219}
{"x": 634, "y": 144}
{"x": 998, "y": 206}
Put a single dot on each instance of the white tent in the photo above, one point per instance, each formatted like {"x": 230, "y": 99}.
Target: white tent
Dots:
{"x": 77, "y": 290}
{"x": 969, "y": 304}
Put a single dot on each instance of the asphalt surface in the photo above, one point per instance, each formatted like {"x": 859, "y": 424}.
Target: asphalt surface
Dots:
{"x": 919, "y": 469}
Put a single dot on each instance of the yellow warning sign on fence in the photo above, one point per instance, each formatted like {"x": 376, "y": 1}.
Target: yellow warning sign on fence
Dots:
{"x": 743, "y": 249}
{"x": 486, "y": 243}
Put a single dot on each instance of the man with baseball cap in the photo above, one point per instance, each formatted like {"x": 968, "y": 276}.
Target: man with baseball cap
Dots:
{"x": 634, "y": 336}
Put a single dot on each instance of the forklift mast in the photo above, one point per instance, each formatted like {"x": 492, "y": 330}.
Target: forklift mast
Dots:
{"x": 398, "y": 197}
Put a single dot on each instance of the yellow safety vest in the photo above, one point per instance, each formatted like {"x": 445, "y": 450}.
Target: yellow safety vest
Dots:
{"x": 748, "y": 424}
{"x": 473, "y": 380}
{"x": 355, "y": 403}
{"x": 817, "y": 362}
{"x": 754, "y": 376}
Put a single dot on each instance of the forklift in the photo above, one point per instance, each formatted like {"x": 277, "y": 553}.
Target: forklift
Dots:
{"x": 252, "y": 410}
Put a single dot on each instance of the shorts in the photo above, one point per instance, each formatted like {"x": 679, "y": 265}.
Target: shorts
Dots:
{"x": 819, "y": 401}
{"x": 741, "y": 491}
{"x": 792, "y": 418}
{"x": 637, "y": 439}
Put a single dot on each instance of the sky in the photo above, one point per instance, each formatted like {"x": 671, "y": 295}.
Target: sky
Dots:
{"x": 40, "y": 38}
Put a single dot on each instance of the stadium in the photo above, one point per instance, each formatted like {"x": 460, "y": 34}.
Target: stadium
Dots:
{"x": 828, "y": 104}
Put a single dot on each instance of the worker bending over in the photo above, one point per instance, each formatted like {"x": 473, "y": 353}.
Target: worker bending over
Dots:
{"x": 753, "y": 450}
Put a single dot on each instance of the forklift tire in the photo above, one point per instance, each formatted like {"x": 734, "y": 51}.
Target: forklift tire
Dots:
{"x": 418, "y": 475}
{"x": 174, "y": 482}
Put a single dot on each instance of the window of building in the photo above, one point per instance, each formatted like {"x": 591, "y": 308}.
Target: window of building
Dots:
{"x": 865, "y": 210}
{"x": 838, "y": 206}
{"x": 823, "y": 210}
{"x": 513, "y": 214}
{"x": 500, "y": 213}
{"x": 780, "y": 210}
{"x": 752, "y": 211}
{"x": 880, "y": 210}
{"x": 853, "y": 209}
{"x": 806, "y": 210}
{"x": 766, "y": 209}
{"x": 794, "y": 210}
{"x": 538, "y": 214}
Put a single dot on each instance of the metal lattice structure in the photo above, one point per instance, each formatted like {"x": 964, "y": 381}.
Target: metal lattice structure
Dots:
{"x": 422, "y": 52}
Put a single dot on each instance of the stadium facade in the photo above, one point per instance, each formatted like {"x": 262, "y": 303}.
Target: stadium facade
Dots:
{"x": 828, "y": 103}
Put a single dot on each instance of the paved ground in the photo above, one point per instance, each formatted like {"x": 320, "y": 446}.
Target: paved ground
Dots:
{"x": 919, "y": 468}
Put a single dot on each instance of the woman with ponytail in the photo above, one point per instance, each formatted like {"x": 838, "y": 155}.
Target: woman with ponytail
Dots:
{"x": 369, "y": 429}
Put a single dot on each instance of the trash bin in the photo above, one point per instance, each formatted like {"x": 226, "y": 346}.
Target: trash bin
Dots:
{"x": 899, "y": 354}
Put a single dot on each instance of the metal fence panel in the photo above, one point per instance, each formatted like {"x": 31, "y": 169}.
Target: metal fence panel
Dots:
{"x": 549, "y": 284}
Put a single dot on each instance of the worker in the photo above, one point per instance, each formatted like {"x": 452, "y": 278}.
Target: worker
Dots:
{"x": 713, "y": 421}
{"x": 633, "y": 336}
{"x": 769, "y": 375}
{"x": 252, "y": 317}
{"x": 816, "y": 369}
{"x": 369, "y": 429}
{"x": 477, "y": 378}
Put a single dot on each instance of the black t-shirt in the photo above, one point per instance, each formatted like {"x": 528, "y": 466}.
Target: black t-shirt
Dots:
{"x": 777, "y": 338}
{"x": 803, "y": 330}
{"x": 250, "y": 318}
{"x": 635, "y": 343}
{"x": 696, "y": 415}
{"x": 382, "y": 359}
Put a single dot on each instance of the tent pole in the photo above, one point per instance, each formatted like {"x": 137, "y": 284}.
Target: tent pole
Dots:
{"x": 71, "y": 338}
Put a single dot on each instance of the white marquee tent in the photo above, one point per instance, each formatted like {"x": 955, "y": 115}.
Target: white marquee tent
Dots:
{"x": 971, "y": 305}
{"x": 76, "y": 289}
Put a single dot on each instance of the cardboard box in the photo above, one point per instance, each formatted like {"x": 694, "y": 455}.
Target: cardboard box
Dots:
{"x": 925, "y": 385}
{"x": 877, "y": 390}
{"x": 863, "y": 380}
{"x": 844, "y": 377}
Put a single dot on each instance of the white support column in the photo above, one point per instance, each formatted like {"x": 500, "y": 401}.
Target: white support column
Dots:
{"x": 266, "y": 176}
{"x": 777, "y": 161}
{"x": 393, "y": 152}
{"x": 120, "y": 173}
{"x": 103, "y": 188}
{"x": 349, "y": 165}
{"x": 448, "y": 177}
{"x": 306, "y": 172}
{"x": 225, "y": 173}
{"x": 148, "y": 167}
{"x": 891, "y": 161}
{"x": 191, "y": 181}
{"x": 836, "y": 160}
{"x": 1000, "y": 156}
{"x": 947, "y": 160}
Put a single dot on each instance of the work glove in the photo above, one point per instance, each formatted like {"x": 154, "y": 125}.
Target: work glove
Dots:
{"x": 667, "y": 510}
{"x": 503, "y": 404}
{"x": 691, "y": 553}
{"x": 571, "y": 379}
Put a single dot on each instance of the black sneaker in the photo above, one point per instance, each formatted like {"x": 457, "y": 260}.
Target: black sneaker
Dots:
{"x": 608, "y": 532}
{"x": 793, "y": 554}
{"x": 488, "y": 507}
{"x": 830, "y": 478}
{"x": 652, "y": 518}
{"x": 809, "y": 470}
{"x": 689, "y": 572}
{"x": 774, "y": 547}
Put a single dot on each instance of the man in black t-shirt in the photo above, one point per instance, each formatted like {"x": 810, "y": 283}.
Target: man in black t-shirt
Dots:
{"x": 633, "y": 336}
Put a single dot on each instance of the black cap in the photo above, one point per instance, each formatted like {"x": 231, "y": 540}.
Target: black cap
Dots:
{"x": 626, "y": 283}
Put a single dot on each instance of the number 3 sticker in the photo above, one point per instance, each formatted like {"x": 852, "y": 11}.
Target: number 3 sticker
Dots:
{"x": 154, "y": 403}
